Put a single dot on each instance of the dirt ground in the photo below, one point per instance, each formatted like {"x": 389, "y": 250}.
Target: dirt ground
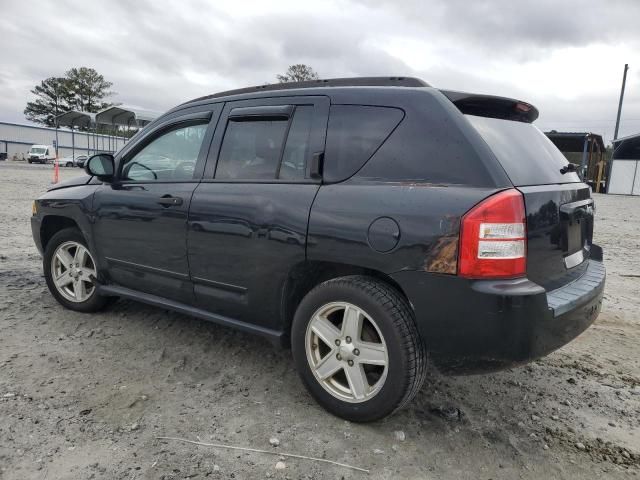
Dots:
{"x": 85, "y": 396}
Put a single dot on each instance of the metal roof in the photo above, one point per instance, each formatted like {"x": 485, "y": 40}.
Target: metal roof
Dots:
{"x": 126, "y": 116}
{"x": 75, "y": 118}
{"x": 574, "y": 141}
{"x": 627, "y": 147}
{"x": 628, "y": 137}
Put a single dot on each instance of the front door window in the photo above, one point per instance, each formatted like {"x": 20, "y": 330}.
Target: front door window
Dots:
{"x": 169, "y": 157}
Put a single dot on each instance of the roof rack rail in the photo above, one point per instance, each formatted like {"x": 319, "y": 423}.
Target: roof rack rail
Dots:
{"x": 329, "y": 82}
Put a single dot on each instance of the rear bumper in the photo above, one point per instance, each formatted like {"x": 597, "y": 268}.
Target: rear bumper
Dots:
{"x": 474, "y": 326}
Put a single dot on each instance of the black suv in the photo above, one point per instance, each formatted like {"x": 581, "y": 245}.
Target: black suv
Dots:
{"x": 375, "y": 225}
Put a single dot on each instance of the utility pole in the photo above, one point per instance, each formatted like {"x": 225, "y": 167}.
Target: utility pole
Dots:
{"x": 624, "y": 81}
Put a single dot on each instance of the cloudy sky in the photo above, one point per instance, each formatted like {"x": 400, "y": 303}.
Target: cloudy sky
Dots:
{"x": 565, "y": 57}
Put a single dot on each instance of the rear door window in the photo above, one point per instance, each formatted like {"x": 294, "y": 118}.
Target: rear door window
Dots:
{"x": 251, "y": 149}
{"x": 256, "y": 148}
{"x": 525, "y": 153}
{"x": 296, "y": 150}
{"x": 354, "y": 134}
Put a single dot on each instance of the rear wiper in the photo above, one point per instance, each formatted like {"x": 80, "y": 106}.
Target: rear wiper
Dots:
{"x": 570, "y": 167}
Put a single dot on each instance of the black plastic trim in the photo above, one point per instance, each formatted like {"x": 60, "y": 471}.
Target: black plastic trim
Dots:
{"x": 578, "y": 292}
{"x": 264, "y": 111}
{"x": 329, "y": 82}
{"x": 144, "y": 268}
{"x": 274, "y": 336}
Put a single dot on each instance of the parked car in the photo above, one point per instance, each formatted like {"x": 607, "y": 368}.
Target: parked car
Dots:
{"x": 81, "y": 160}
{"x": 73, "y": 161}
{"x": 41, "y": 154}
{"x": 377, "y": 226}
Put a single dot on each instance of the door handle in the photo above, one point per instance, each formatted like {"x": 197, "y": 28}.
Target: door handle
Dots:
{"x": 169, "y": 201}
{"x": 315, "y": 169}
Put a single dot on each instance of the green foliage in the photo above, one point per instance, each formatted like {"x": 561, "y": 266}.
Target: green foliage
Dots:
{"x": 298, "y": 73}
{"x": 82, "y": 89}
{"x": 87, "y": 89}
{"x": 51, "y": 100}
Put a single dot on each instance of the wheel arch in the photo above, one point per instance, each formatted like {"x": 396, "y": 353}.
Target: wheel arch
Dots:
{"x": 304, "y": 276}
{"x": 52, "y": 224}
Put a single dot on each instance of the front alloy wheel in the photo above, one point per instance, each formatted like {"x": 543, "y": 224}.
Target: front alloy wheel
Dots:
{"x": 73, "y": 270}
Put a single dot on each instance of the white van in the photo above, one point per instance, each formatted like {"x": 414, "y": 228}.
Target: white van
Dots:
{"x": 41, "y": 154}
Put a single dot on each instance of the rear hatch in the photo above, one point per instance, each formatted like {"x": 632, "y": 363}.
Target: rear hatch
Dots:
{"x": 558, "y": 205}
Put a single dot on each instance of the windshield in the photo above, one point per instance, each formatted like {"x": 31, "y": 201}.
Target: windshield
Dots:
{"x": 38, "y": 150}
{"x": 525, "y": 153}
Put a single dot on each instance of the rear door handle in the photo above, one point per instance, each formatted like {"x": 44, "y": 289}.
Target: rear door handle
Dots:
{"x": 169, "y": 201}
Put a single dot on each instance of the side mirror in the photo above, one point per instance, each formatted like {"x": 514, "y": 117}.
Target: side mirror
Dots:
{"x": 101, "y": 165}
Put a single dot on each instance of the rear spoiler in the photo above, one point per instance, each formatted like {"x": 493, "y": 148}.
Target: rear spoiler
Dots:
{"x": 492, "y": 106}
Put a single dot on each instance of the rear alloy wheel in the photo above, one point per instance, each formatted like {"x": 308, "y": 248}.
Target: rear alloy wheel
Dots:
{"x": 71, "y": 271}
{"x": 350, "y": 362}
{"x": 357, "y": 348}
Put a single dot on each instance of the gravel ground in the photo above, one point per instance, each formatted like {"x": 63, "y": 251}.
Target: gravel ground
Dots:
{"x": 85, "y": 396}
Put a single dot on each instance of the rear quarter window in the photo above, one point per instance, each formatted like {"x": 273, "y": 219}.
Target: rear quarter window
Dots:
{"x": 525, "y": 153}
{"x": 354, "y": 134}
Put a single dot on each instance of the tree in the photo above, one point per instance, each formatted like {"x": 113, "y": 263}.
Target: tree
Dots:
{"x": 52, "y": 98}
{"x": 88, "y": 89}
{"x": 298, "y": 73}
{"x": 81, "y": 89}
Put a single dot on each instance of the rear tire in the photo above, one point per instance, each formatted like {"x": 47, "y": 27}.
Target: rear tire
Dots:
{"x": 68, "y": 269}
{"x": 362, "y": 376}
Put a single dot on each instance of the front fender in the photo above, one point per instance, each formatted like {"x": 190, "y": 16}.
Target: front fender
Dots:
{"x": 73, "y": 203}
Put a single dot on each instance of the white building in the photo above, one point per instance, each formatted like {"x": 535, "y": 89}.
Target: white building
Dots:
{"x": 16, "y": 140}
{"x": 625, "y": 166}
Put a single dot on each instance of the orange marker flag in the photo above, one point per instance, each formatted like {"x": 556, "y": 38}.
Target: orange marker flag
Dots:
{"x": 56, "y": 171}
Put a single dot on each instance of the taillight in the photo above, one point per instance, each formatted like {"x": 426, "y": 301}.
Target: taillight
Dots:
{"x": 493, "y": 238}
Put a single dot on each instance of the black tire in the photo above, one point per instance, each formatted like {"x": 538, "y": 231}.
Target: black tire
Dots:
{"x": 30, "y": 161}
{"x": 407, "y": 358}
{"x": 68, "y": 164}
{"x": 95, "y": 302}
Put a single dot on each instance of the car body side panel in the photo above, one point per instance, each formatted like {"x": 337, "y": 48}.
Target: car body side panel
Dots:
{"x": 243, "y": 241}
{"x": 344, "y": 217}
{"x": 143, "y": 243}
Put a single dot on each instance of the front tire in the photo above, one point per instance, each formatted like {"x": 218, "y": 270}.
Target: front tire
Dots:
{"x": 357, "y": 348}
{"x": 70, "y": 271}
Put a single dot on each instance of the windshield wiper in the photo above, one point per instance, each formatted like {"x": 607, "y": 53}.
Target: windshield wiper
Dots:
{"x": 570, "y": 167}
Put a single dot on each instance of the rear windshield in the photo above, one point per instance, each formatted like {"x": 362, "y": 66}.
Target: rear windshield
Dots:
{"x": 526, "y": 154}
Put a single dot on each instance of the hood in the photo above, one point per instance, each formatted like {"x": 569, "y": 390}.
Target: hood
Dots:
{"x": 73, "y": 182}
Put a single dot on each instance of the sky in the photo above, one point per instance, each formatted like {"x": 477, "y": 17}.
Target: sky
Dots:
{"x": 565, "y": 57}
